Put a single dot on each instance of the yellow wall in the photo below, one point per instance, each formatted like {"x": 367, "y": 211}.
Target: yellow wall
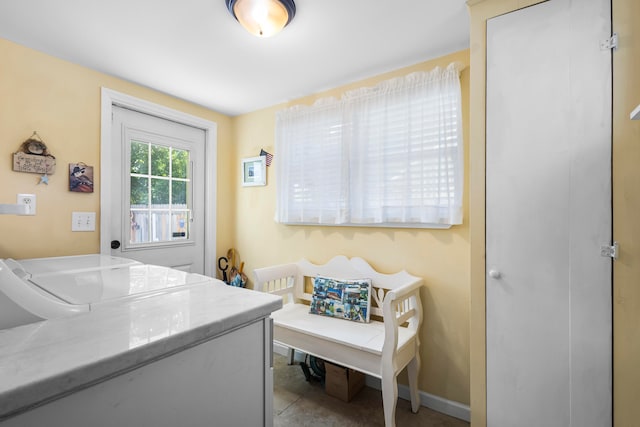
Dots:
{"x": 626, "y": 205}
{"x": 441, "y": 257}
{"x": 61, "y": 101}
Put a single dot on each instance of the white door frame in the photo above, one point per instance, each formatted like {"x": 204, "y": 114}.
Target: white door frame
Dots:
{"x": 111, "y": 98}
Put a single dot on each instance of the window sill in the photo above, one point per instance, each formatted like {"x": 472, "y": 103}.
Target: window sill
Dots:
{"x": 428, "y": 226}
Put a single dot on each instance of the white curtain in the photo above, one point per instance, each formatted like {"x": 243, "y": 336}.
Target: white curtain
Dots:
{"x": 312, "y": 173}
{"x": 389, "y": 155}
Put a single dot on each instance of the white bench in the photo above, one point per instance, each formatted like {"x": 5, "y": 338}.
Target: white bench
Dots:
{"x": 381, "y": 349}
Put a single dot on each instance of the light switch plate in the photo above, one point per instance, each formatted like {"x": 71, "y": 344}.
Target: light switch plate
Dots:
{"x": 83, "y": 221}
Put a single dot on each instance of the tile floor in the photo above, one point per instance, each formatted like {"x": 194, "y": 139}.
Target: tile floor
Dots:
{"x": 298, "y": 403}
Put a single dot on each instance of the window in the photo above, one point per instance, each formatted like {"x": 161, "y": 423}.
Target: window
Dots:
{"x": 159, "y": 193}
{"x": 390, "y": 155}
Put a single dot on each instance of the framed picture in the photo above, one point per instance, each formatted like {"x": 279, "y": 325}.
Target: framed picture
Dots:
{"x": 254, "y": 171}
{"x": 80, "y": 178}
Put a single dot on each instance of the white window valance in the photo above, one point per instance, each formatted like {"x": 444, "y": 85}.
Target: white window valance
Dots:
{"x": 389, "y": 155}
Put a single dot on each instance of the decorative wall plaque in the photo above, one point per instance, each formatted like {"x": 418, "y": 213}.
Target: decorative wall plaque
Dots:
{"x": 80, "y": 178}
{"x": 34, "y": 163}
{"x": 34, "y": 157}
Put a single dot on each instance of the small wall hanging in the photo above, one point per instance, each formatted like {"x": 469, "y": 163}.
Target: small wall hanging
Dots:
{"x": 80, "y": 178}
{"x": 33, "y": 156}
{"x": 254, "y": 171}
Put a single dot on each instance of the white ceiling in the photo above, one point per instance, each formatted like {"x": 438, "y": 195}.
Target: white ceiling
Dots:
{"x": 195, "y": 50}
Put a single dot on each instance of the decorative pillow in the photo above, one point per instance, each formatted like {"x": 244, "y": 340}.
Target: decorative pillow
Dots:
{"x": 343, "y": 299}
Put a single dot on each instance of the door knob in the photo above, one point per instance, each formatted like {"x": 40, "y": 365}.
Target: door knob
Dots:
{"x": 115, "y": 244}
{"x": 494, "y": 274}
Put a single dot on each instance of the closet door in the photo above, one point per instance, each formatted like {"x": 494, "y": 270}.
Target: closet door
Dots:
{"x": 548, "y": 211}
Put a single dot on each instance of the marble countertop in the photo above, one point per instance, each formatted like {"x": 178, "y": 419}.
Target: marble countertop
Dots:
{"x": 47, "y": 360}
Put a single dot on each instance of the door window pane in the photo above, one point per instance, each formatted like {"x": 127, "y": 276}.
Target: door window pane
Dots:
{"x": 180, "y": 225}
{"x": 179, "y": 162}
{"x": 159, "y": 191}
{"x": 139, "y": 191}
{"x": 160, "y": 201}
{"x": 179, "y": 194}
{"x": 139, "y": 226}
{"x": 160, "y": 226}
{"x": 159, "y": 160}
{"x": 139, "y": 157}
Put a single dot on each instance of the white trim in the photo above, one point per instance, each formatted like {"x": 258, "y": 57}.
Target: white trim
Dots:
{"x": 431, "y": 401}
{"x": 111, "y": 98}
{"x": 284, "y": 351}
{"x": 436, "y": 403}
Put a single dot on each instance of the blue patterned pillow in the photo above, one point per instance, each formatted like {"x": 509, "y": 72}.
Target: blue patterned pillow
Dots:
{"x": 342, "y": 299}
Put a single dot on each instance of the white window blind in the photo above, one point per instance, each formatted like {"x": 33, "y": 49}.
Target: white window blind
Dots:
{"x": 390, "y": 155}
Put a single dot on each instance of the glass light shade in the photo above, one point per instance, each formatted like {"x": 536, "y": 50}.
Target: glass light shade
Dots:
{"x": 262, "y": 18}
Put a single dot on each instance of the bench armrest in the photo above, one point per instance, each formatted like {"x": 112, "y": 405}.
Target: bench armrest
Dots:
{"x": 401, "y": 305}
{"x": 277, "y": 280}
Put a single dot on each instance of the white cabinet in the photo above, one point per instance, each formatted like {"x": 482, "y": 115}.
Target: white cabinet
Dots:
{"x": 548, "y": 211}
{"x": 226, "y": 381}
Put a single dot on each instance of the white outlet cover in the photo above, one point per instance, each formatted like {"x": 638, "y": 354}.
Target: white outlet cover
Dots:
{"x": 29, "y": 200}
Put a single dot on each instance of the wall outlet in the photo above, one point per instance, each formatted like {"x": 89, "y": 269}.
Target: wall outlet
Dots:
{"x": 83, "y": 221}
{"x": 29, "y": 200}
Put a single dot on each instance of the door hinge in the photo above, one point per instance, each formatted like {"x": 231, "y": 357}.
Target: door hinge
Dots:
{"x": 610, "y": 43}
{"x": 610, "y": 251}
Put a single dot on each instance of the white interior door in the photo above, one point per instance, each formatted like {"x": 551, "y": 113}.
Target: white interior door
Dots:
{"x": 158, "y": 187}
{"x": 548, "y": 211}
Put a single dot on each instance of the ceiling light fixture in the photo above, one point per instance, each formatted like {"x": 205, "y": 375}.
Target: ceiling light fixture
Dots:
{"x": 262, "y": 18}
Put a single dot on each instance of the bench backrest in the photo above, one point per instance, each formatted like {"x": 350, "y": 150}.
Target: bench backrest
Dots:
{"x": 290, "y": 280}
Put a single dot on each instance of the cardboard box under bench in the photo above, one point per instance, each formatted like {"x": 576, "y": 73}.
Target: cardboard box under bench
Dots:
{"x": 343, "y": 383}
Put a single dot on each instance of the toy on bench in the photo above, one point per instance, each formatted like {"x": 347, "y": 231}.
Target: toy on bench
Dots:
{"x": 381, "y": 347}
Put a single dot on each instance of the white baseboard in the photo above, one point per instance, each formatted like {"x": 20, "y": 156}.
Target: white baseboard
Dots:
{"x": 283, "y": 351}
{"x": 431, "y": 401}
{"x": 445, "y": 406}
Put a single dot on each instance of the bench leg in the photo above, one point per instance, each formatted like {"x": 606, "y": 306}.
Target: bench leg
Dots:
{"x": 413, "y": 368}
{"x": 291, "y": 354}
{"x": 389, "y": 396}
